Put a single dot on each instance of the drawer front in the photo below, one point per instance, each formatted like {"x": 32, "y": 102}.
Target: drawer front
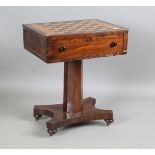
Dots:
{"x": 86, "y": 47}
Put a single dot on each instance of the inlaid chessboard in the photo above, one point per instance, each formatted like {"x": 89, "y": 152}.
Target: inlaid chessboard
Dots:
{"x": 74, "y": 27}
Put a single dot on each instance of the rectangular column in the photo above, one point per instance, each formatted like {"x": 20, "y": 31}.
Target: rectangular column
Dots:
{"x": 73, "y": 87}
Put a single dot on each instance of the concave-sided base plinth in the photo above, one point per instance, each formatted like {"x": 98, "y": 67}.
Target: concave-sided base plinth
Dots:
{"x": 62, "y": 119}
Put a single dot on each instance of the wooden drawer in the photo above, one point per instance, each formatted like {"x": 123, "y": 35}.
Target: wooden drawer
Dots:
{"x": 86, "y": 47}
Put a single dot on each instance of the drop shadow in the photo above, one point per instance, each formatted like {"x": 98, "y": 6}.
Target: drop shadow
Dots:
{"x": 64, "y": 130}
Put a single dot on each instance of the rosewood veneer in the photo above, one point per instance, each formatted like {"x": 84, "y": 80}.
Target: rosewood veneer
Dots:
{"x": 71, "y": 42}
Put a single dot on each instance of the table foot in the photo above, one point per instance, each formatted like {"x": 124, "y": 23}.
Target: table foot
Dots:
{"x": 62, "y": 119}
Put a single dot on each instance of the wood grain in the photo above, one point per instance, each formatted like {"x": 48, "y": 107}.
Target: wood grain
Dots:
{"x": 35, "y": 43}
{"x": 81, "y": 48}
{"x": 73, "y": 87}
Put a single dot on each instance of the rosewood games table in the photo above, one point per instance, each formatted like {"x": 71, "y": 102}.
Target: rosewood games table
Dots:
{"x": 71, "y": 42}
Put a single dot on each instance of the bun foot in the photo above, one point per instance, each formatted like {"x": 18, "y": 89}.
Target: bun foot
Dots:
{"x": 109, "y": 121}
{"x": 37, "y": 116}
{"x": 51, "y": 132}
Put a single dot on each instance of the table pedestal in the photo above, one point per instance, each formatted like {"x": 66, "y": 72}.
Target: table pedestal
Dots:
{"x": 74, "y": 109}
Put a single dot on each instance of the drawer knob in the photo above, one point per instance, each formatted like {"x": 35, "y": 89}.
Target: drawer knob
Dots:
{"x": 62, "y": 49}
{"x": 113, "y": 43}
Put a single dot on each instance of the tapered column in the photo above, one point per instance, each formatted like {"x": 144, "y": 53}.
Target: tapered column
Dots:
{"x": 73, "y": 88}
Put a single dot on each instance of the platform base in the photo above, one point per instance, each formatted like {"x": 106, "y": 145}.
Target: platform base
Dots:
{"x": 62, "y": 119}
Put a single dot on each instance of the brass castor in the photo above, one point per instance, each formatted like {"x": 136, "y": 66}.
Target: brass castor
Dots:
{"x": 37, "y": 116}
{"x": 109, "y": 121}
{"x": 51, "y": 132}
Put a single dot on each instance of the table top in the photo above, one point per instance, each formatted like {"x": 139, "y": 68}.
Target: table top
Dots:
{"x": 74, "y": 40}
{"x": 74, "y": 27}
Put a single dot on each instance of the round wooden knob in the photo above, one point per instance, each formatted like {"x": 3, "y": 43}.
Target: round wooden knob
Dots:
{"x": 113, "y": 43}
{"x": 62, "y": 49}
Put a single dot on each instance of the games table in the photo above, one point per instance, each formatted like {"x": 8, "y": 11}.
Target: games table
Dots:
{"x": 71, "y": 42}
